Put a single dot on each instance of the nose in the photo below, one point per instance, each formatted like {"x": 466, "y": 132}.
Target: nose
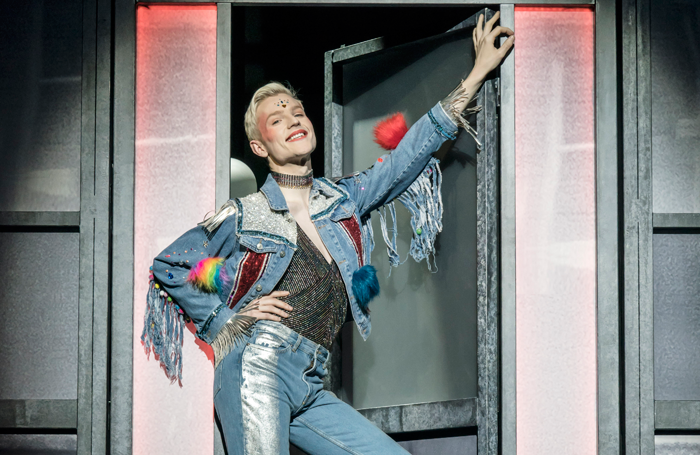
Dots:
{"x": 294, "y": 121}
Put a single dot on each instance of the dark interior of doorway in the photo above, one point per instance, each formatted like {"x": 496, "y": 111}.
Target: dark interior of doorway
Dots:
{"x": 287, "y": 44}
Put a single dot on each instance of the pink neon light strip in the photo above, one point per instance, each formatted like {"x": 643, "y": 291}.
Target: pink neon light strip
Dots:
{"x": 175, "y": 151}
{"x": 555, "y": 231}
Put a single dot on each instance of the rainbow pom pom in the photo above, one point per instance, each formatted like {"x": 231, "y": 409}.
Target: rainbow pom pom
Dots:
{"x": 209, "y": 275}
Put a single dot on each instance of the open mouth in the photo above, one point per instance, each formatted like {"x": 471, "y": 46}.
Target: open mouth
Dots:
{"x": 297, "y": 135}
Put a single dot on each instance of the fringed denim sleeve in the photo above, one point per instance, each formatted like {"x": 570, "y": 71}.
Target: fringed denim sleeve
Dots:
{"x": 162, "y": 331}
{"x": 188, "y": 280}
{"x": 423, "y": 200}
{"x": 412, "y": 176}
{"x": 449, "y": 104}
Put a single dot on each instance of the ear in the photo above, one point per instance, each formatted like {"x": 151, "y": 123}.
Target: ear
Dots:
{"x": 258, "y": 148}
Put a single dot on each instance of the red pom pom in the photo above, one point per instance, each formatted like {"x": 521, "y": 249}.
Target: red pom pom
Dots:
{"x": 388, "y": 133}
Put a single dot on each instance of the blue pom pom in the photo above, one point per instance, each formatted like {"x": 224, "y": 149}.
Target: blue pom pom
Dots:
{"x": 365, "y": 286}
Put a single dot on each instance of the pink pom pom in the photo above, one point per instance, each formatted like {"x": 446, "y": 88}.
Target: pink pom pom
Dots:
{"x": 388, "y": 133}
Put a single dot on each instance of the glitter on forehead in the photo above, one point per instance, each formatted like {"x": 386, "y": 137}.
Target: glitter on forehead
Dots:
{"x": 282, "y": 103}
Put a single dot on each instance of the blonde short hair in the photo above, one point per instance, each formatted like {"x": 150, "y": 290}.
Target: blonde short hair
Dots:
{"x": 264, "y": 92}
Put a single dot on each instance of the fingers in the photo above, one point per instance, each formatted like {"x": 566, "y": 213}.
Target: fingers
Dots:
{"x": 277, "y": 294}
{"x": 479, "y": 29}
{"x": 274, "y": 305}
{"x": 507, "y": 44}
{"x": 491, "y": 37}
{"x": 489, "y": 24}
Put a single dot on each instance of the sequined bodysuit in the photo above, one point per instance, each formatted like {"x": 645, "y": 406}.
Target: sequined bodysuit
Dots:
{"x": 317, "y": 293}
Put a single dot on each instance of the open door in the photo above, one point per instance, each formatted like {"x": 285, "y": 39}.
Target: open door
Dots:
{"x": 431, "y": 363}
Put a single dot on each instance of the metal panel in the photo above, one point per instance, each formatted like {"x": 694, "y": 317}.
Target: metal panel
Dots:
{"x": 223, "y": 103}
{"x": 677, "y": 415}
{"x": 39, "y": 292}
{"x": 40, "y": 219}
{"x": 630, "y": 319}
{"x": 676, "y": 220}
{"x": 487, "y": 209}
{"x": 438, "y": 415}
{"x": 40, "y": 113}
{"x": 48, "y": 414}
{"x": 675, "y": 72}
{"x": 677, "y": 445}
{"x": 122, "y": 254}
{"x": 608, "y": 292}
{"x": 676, "y": 316}
{"x": 88, "y": 183}
{"x": 333, "y": 118}
{"x": 456, "y": 445}
{"x": 94, "y": 241}
{"x": 646, "y": 283}
{"x": 223, "y": 128}
{"x": 412, "y": 78}
{"x": 38, "y": 444}
{"x": 382, "y": 2}
{"x": 358, "y": 50}
{"x": 507, "y": 260}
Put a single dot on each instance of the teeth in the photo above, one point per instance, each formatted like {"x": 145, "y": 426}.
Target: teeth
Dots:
{"x": 296, "y": 136}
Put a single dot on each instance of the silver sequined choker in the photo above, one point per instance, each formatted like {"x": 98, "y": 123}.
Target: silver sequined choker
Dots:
{"x": 296, "y": 182}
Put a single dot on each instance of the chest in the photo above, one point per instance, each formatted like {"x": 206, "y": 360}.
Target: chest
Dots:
{"x": 303, "y": 219}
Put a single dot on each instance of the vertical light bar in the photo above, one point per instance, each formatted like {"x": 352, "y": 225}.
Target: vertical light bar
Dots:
{"x": 174, "y": 188}
{"x": 555, "y": 231}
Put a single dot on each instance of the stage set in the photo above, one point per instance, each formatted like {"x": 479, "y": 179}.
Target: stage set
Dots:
{"x": 559, "y": 315}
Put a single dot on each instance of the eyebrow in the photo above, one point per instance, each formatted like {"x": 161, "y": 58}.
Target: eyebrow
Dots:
{"x": 279, "y": 111}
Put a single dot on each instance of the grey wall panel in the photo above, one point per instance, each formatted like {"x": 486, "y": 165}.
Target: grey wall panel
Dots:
{"x": 677, "y": 445}
{"x": 39, "y": 304}
{"x": 424, "y": 416}
{"x": 676, "y": 316}
{"x": 121, "y": 419}
{"x": 40, "y": 112}
{"x": 458, "y": 445}
{"x": 38, "y": 444}
{"x": 677, "y": 415}
{"x": 44, "y": 414}
{"x": 675, "y": 86}
{"x": 422, "y": 322}
{"x": 607, "y": 219}
{"x": 507, "y": 250}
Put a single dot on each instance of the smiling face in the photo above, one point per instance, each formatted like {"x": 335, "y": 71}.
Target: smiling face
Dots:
{"x": 287, "y": 135}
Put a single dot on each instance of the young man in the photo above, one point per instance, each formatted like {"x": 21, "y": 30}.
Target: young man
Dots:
{"x": 269, "y": 279}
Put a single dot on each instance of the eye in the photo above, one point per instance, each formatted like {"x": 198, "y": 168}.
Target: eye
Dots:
{"x": 298, "y": 115}
{"x": 275, "y": 122}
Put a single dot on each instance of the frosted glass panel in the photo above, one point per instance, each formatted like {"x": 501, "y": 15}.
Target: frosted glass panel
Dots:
{"x": 39, "y": 308}
{"x": 175, "y": 176}
{"x": 38, "y": 444}
{"x": 40, "y": 105}
{"x": 555, "y": 231}
{"x": 676, "y": 316}
{"x": 675, "y": 105}
{"x": 677, "y": 445}
{"x": 423, "y": 342}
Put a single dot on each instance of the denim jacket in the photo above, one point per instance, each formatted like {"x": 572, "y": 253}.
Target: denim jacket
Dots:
{"x": 258, "y": 238}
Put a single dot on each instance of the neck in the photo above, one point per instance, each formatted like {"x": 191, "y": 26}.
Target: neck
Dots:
{"x": 301, "y": 168}
{"x": 295, "y": 189}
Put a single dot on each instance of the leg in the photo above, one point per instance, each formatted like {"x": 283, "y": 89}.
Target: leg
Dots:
{"x": 329, "y": 426}
{"x": 247, "y": 400}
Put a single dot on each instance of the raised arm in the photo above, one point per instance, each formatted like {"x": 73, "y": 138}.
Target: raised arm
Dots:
{"x": 393, "y": 173}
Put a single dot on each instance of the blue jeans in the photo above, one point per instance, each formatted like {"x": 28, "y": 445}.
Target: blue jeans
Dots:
{"x": 269, "y": 391}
